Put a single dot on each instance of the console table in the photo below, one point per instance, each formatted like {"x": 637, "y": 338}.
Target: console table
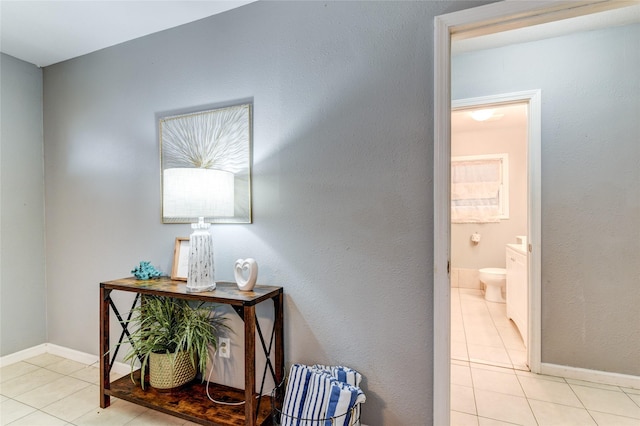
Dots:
{"x": 191, "y": 402}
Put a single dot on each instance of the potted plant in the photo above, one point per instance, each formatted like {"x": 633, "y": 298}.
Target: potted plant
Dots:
{"x": 171, "y": 339}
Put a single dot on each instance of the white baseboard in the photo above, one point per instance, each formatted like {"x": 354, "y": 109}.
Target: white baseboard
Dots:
{"x": 72, "y": 354}
{"x": 596, "y": 376}
{"x": 23, "y": 354}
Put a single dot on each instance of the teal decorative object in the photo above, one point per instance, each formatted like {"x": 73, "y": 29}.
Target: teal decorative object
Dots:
{"x": 146, "y": 271}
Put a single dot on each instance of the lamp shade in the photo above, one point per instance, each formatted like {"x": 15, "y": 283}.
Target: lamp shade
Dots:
{"x": 192, "y": 193}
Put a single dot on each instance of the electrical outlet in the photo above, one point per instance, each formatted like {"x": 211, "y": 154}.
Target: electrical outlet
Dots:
{"x": 224, "y": 347}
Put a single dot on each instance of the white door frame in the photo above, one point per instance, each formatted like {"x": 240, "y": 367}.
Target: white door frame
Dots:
{"x": 477, "y": 21}
{"x": 534, "y": 216}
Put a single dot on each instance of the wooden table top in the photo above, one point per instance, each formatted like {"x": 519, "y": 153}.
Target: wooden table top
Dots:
{"x": 225, "y": 292}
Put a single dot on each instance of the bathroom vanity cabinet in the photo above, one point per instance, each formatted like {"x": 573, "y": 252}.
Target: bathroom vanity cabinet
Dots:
{"x": 517, "y": 292}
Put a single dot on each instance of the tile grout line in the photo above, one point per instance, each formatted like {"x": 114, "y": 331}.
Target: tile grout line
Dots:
{"x": 500, "y": 335}
{"x": 468, "y": 360}
{"x": 581, "y": 402}
{"x": 473, "y": 392}
{"x": 90, "y": 383}
{"x": 464, "y": 331}
{"x": 47, "y": 367}
{"x": 68, "y": 374}
{"x": 510, "y": 368}
{"x": 633, "y": 400}
{"x": 466, "y": 340}
{"x": 558, "y": 379}
{"x": 36, "y": 410}
{"x": 493, "y": 326}
{"x": 526, "y": 397}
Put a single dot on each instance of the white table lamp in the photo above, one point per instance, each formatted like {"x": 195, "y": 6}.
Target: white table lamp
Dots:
{"x": 199, "y": 193}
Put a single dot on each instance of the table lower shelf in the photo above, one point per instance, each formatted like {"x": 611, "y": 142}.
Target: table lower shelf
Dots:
{"x": 191, "y": 402}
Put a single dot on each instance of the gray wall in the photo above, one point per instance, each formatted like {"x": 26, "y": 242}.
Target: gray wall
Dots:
{"x": 22, "y": 262}
{"x": 342, "y": 95}
{"x": 590, "y": 198}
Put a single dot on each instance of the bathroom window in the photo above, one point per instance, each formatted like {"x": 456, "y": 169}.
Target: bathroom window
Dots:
{"x": 480, "y": 188}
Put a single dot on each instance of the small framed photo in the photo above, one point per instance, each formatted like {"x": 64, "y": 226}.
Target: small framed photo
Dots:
{"x": 180, "y": 268}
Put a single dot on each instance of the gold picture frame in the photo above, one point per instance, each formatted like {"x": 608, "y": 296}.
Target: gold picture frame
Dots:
{"x": 180, "y": 268}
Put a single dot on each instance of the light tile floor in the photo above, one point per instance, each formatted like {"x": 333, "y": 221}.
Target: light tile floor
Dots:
{"x": 481, "y": 332}
{"x": 50, "y": 390}
{"x": 505, "y": 393}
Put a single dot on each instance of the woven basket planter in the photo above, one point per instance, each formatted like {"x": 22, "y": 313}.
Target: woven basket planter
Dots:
{"x": 168, "y": 371}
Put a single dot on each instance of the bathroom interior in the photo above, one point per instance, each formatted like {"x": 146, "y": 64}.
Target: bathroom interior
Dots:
{"x": 489, "y": 235}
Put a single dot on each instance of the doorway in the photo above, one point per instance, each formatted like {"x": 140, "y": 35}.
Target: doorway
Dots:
{"x": 490, "y": 230}
{"x": 483, "y": 20}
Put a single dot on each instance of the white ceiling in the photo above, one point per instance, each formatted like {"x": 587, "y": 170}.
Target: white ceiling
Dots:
{"x": 47, "y": 32}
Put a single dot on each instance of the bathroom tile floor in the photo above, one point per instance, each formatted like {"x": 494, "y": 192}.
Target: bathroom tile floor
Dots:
{"x": 481, "y": 332}
{"x": 493, "y": 386}
{"x": 51, "y": 390}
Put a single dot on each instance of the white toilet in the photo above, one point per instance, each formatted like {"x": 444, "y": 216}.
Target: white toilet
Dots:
{"x": 495, "y": 280}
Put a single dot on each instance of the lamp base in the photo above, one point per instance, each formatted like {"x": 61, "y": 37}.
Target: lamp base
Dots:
{"x": 200, "y": 289}
{"x": 200, "y": 275}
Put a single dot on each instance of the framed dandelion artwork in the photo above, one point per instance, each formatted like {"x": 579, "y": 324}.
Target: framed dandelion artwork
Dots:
{"x": 206, "y": 166}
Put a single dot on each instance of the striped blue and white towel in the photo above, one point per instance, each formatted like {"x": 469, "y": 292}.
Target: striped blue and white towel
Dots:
{"x": 314, "y": 396}
{"x": 296, "y": 394}
{"x": 328, "y": 399}
{"x": 344, "y": 374}
{"x": 349, "y": 376}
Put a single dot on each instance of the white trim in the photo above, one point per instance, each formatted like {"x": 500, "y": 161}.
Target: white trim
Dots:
{"x": 533, "y": 98}
{"x": 595, "y": 376}
{"x": 534, "y": 229}
{"x": 23, "y": 354}
{"x": 441, "y": 222}
{"x": 513, "y": 14}
{"x": 72, "y": 354}
{"x": 470, "y": 22}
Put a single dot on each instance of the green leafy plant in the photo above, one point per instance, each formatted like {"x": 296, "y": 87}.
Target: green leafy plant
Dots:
{"x": 168, "y": 325}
